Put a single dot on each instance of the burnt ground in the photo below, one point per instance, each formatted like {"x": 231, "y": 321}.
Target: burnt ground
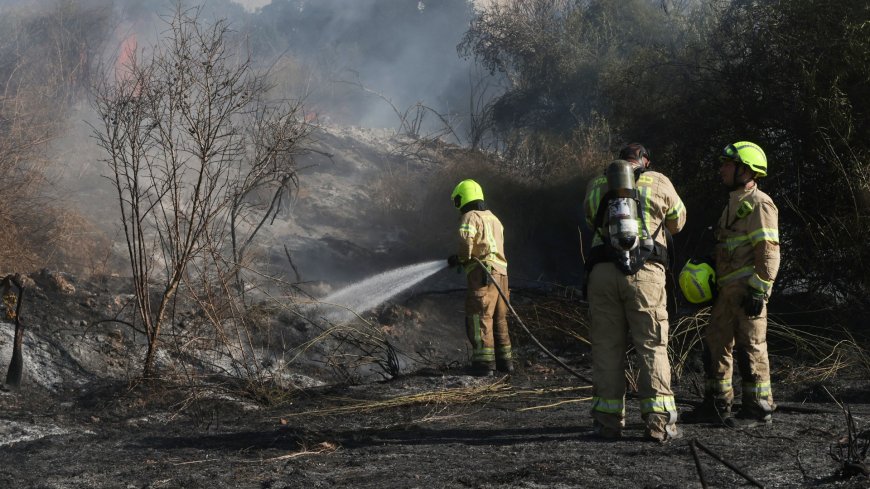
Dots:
{"x": 92, "y": 427}
{"x": 530, "y": 433}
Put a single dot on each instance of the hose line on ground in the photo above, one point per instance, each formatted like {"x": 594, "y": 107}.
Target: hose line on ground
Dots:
{"x": 679, "y": 400}
{"x": 519, "y": 319}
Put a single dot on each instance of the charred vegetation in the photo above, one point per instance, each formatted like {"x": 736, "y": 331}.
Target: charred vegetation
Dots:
{"x": 243, "y": 195}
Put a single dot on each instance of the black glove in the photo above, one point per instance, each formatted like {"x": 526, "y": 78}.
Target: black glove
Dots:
{"x": 453, "y": 261}
{"x": 753, "y": 303}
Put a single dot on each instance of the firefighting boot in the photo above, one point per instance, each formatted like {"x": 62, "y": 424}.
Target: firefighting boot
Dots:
{"x": 741, "y": 420}
{"x": 671, "y": 433}
{"x": 479, "y": 369}
{"x": 504, "y": 365}
{"x": 605, "y": 432}
{"x": 752, "y": 414}
{"x": 662, "y": 427}
{"x": 713, "y": 411}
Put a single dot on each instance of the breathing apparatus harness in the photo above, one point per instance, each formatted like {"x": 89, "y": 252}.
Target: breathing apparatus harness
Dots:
{"x": 630, "y": 244}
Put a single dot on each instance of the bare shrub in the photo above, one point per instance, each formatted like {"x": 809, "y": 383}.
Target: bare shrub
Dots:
{"x": 200, "y": 158}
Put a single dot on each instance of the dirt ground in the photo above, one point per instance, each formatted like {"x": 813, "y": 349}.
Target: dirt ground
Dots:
{"x": 531, "y": 431}
{"x": 92, "y": 428}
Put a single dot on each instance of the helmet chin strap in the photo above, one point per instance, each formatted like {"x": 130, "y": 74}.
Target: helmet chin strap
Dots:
{"x": 735, "y": 183}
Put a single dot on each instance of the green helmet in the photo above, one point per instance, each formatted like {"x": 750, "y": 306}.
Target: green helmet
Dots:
{"x": 750, "y": 154}
{"x": 466, "y": 191}
{"x": 698, "y": 281}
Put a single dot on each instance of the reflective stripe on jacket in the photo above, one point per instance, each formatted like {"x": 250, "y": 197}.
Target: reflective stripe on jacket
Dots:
{"x": 481, "y": 235}
{"x": 748, "y": 222}
{"x": 659, "y": 202}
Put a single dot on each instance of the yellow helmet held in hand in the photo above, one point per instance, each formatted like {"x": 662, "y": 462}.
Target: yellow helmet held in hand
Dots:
{"x": 698, "y": 281}
{"x": 466, "y": 191}
{"x": 750, "y": 154}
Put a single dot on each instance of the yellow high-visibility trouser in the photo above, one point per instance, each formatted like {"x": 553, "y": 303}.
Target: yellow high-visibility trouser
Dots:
{"x": 622, "y": 307}
{"x": 729, "y": 327}
{"x": 486, "y": 318}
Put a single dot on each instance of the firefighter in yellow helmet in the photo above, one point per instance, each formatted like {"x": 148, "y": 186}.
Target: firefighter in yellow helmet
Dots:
{"x": 481, "y": 236}
{"x": 630, "y": 210}
{"x": 747, "y": 260}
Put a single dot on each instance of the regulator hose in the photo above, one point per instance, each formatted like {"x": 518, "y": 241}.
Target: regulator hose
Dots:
{"x": 520, "y": 320}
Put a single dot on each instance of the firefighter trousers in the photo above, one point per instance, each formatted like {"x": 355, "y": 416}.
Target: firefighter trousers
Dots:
{"x": 486, "y": 318}
{"x": 623, "y": 309}
{"x": 732, "y": 334}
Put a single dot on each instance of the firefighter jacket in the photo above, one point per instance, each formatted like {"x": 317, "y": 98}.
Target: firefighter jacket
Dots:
{"x": 481, "y": 235}
{"x": 747, "y": 236}
{"x": 658, "y": 202}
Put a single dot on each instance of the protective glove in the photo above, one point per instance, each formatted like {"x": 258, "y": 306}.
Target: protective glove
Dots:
{"x": 453, "y": 261}
{"x": 753, "y": 303}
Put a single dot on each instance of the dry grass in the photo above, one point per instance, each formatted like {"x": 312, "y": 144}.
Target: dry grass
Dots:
{"x": 819, "y": 352}
{"x": 809, "y": 353}
{"x": 553, "y": 318}
{"x": 322, "y": 448}
{"x": 445, "y": 398}
{"x": 685, "y": 337}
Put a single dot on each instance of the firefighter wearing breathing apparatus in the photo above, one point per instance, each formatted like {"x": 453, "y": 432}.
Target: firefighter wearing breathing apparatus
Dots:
{"x": 481, "y": 236}
{"x": 747, "y": 260}
{"x": 630, "y": 210}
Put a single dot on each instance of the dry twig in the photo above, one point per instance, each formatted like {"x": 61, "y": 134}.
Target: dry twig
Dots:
{"x": 460, "y": 396}
{"x": 728, "y": 464}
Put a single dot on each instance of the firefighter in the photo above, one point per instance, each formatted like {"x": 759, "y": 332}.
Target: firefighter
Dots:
{"x": 481, "y": 236}
{"x": 747, "y": 260}
{"x": 630, "y": 210}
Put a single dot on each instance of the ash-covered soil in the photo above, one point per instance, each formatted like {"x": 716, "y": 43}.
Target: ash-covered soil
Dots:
{"x": 530, "y": 431}
{"x": 81, "y": 420}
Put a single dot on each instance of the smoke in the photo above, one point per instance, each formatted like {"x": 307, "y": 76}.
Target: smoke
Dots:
{"x": 368, "y": 54}
{"x": 347, "y": 58}
{"x": 252, "y": 5}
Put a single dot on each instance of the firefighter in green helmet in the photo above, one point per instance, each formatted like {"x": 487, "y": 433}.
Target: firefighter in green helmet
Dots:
{"x": 481, "y": 236}
{"x": 747, "y": 260}
{"x": 630, "y": 211}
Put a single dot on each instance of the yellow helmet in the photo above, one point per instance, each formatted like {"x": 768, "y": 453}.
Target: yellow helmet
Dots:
{"x": 466, "y": 191}
{"x": 698, "y": 281}
{"x": 750, "y": 154}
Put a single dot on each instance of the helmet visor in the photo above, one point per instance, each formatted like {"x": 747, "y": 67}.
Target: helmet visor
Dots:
{"x": 730, "y": 153}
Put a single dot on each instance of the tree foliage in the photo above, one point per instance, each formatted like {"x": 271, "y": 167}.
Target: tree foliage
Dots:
{"x": 559, "y": 56}
{"x": 687, "y": 78}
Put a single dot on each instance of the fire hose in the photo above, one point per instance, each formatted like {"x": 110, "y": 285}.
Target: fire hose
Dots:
{"x": 780, "y": 407}
{"x": 534, "y": 339}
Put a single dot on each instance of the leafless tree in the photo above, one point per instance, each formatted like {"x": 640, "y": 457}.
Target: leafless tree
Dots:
{"x": 479, "y": 107}
{"x": 199, "y": 156}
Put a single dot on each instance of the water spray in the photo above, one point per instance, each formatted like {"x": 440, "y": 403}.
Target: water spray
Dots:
{"x": 371, "y": 292}
{"x": 365, "y": 295}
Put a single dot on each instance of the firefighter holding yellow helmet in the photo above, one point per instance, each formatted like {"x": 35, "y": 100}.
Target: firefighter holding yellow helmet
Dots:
{"x": 747, "y": 259}
{"x": 481, "y": 240}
